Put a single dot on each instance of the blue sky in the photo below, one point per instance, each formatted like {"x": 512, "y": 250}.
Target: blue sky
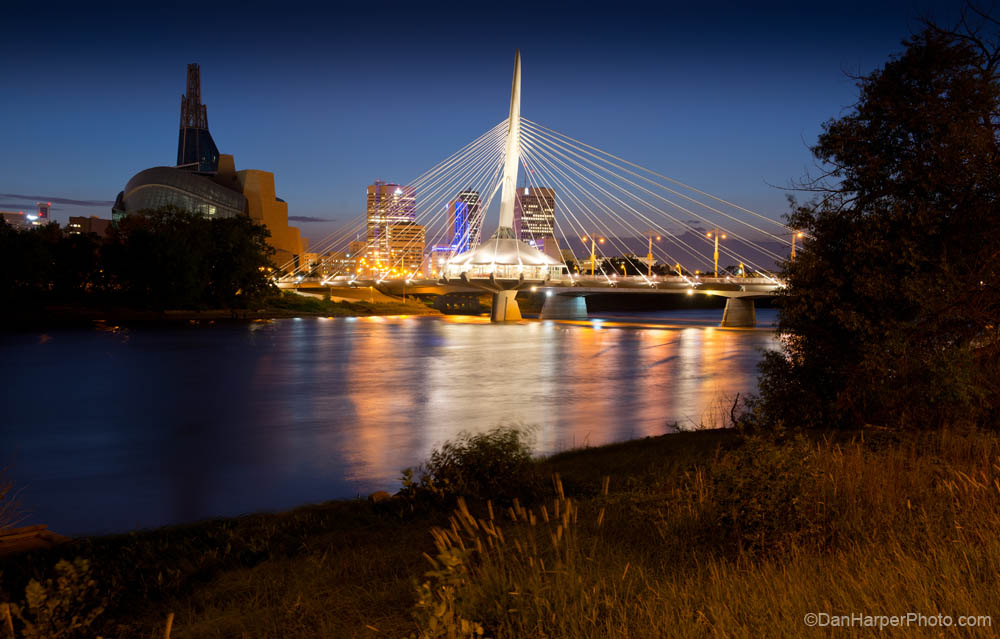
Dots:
{"x": 724, "y": 96}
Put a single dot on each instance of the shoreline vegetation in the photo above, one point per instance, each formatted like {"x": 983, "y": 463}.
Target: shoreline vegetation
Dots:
{"x": 162, "y": 265}
{"x": 704, "y": 533}
{"x": 285, "y": 305}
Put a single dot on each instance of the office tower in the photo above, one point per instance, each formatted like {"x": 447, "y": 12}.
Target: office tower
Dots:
{"x": 534, "y": 214}
{"x": 387, "y": 204}
{"x": 465, "y": 220}
{"x": 405, "y": 242}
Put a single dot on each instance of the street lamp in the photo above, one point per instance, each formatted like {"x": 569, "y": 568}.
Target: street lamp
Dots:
{"x": 715, "y": 233}
{"x": 593, "y": 246}
{"x": 649, "y": 256}
{"x": 795, "y": 234}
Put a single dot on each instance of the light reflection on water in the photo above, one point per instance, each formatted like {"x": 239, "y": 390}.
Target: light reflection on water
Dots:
{"x": 109, "y": 431}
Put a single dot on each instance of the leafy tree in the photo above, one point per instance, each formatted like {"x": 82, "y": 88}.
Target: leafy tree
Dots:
{"x": 157, "y": 258}
{"x": 163, "y": 258}
{"x": 892, "y": 307}
{"x": 79, "y": 270}
{"x": 168, "y": 258}
{"x": 28, "y": 261}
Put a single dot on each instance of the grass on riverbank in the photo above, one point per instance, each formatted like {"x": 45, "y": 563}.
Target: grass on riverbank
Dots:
{"x": 701, "y": 534}
{"x": 292, "y": 303}
{"x": 283, "y": 305}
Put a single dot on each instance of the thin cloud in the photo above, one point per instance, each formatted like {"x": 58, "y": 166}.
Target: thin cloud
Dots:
{"x": 306, "y": 218}
{"x": 57, "y": 200}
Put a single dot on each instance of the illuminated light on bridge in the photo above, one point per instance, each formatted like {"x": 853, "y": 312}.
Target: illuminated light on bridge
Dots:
{"x": 600, "y": 198}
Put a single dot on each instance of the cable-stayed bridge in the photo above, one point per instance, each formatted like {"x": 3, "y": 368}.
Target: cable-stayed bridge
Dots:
{"x": 565, "y": 209}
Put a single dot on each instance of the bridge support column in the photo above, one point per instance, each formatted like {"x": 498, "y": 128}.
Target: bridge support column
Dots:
{"x": 564, "y": 307}
{"x": 739, "y": 313}
{"x": 505, "y": 308}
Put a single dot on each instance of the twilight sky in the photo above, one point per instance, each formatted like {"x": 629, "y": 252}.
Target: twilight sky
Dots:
{"x": 725, "y": 96}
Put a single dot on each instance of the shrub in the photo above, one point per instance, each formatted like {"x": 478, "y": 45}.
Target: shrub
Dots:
{"x": 62, "y": 607}
{"x": 765, "y": 497}
{"x": 495, "y": 464}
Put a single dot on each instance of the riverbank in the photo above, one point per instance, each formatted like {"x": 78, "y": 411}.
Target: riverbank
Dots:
{"x": 286, "y": 305}
{"x": 699, "y": 534}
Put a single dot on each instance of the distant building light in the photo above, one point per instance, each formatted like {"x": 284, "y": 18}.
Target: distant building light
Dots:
{"x": 32, "y": 217}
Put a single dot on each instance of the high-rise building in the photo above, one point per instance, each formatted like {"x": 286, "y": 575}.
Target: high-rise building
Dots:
{"x": 465, "y": 220}
{"x": 387, "y": 204}
{"x": 196, "y": 150}
{"x": 405, "y": 241}
{"x": 535, "y": 219}
{"x": 43, "y": 211}
{"x": 535, "y": 213}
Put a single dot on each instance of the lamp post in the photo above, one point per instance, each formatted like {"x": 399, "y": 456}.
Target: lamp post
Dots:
{"x": 715, "y": 256}
{"x": 649, "y": 255}
{"x": 593, "y": 248}
{"x": 795, "y": 234}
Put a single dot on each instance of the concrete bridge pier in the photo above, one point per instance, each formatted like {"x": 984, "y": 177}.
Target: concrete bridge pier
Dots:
{"x": 564, "y": 307}
{"x": 505, "y": 308}
{"x": 739, "y": 313}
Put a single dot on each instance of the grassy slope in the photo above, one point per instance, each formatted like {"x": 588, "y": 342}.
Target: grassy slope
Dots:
{"x": 704, "y": 535}
{"x": 284, "y": 305}
{"x": 292, "y": 303}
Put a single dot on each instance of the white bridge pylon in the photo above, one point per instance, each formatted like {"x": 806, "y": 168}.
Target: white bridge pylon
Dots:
{"x": 604, "y": 207}
{"x": 504, "y": 263}
{"x": 512, "y": 154}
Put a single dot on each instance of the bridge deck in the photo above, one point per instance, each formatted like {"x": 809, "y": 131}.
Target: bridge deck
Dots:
{"x": 742, "y": 287}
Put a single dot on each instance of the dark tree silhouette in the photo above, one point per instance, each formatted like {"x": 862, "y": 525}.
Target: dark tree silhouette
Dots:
{"x": 892, "y": 310}
{"x": 160, "y": 259}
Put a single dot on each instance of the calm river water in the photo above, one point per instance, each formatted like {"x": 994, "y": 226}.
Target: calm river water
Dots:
{"x": 107, "y": 431}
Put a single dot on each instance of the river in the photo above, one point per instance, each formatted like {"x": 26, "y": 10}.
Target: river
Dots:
{"x": 118, "y": 429}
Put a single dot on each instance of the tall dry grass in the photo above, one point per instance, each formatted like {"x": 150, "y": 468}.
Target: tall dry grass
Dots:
{"x": 743, "y": 546}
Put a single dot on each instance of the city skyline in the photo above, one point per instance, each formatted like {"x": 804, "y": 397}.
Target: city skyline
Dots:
{"x": 713, "y": 100}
